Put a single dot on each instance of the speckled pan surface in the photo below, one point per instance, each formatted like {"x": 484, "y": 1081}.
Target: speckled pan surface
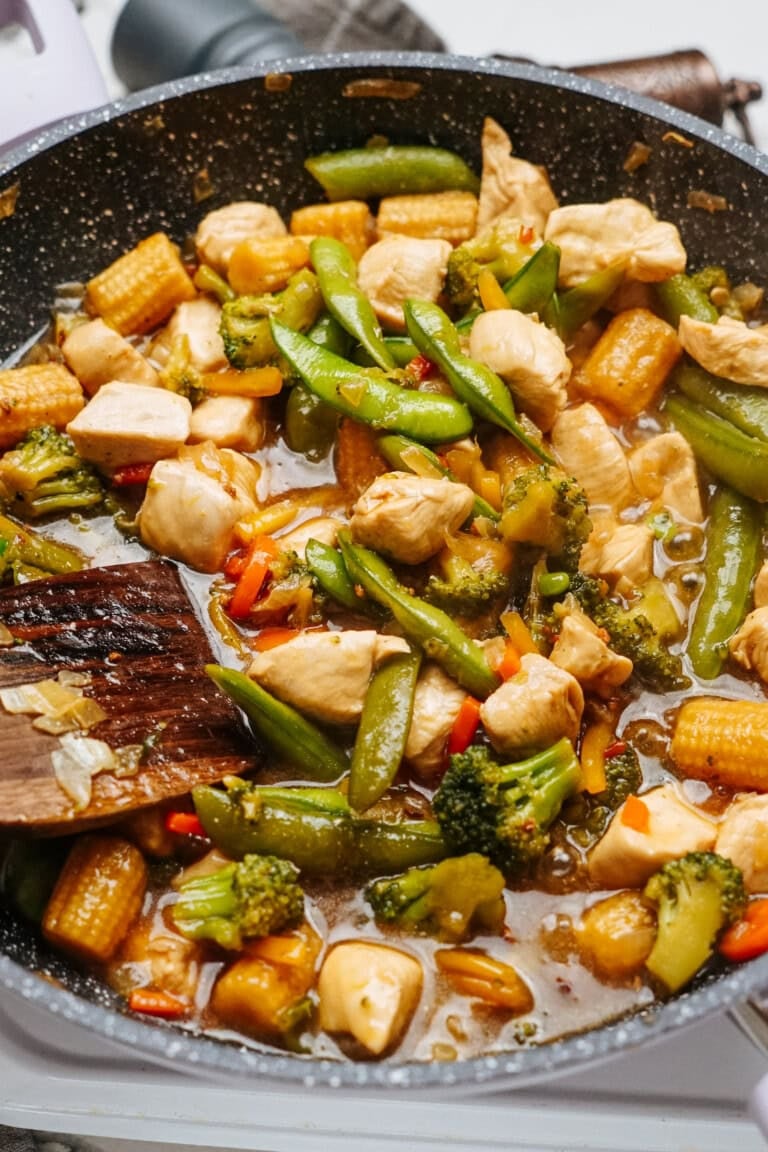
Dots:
{"x": 90, "y": 188}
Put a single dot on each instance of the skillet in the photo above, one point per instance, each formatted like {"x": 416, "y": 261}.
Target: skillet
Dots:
{"x": 91, "y": 187}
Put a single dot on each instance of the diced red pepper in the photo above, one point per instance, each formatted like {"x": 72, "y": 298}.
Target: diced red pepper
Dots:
{"x": 185, "y": 824}
{"x": 748, "y": 937}
{"x": 132, "y": 474}
{"x": 421, "y": 368}
{"x": 151, "y": 1003}
{"x": 636, "y": 814}
{"x": 464, "y": 726}
{"x": 526, "y": 234}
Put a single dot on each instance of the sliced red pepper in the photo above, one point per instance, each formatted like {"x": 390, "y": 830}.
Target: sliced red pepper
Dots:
{"x": 185, "y": 824}
{"x": 748, "y": 937}
{"x": 464, "y": 726}
{"x": 618, "y": 748}
{"x": 233, "y": 569}
{"x": 421, "y": 368}
{"x": 132, "y": 474}
{"x": 251, "y": 580}
{"x": 151, "y": 1003}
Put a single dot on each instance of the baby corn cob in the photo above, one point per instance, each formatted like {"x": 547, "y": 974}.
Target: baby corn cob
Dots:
{"x": 142, "y": 288}
{"x": 347, "y": 220}
{"x": 36, "y": 394}
{"x": 266, "y": 263}
{"x": 435, "y": 215}
{"x": 724, "y": 741}
{"x": 97, "y": 897}
{"x": 628, "y": 365}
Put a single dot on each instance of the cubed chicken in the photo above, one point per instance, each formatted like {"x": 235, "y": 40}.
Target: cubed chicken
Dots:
{"x": 729, "y": 348}
{"x": 621, "y": 553}
{"x": 369, "y": 991}
{"x": 219, "y": 233}
{"x": 398, "y": 267}
{"x": 193, "y": 503}
{"x": 626, "y": 856}
{"x": 533, "y": 709}
{"x": 587, "y": 449}
{"x": 196, "y": 322}
{"x": 749, "y": 645}
{"x": 593, "y": 236}
{"x": 510, "y": 186}
{"x": 130, "y": 424}
{"x": 528, "y": 356}
{"x": 742, "y": 837}
{"x": 408, "y": 517}
{"x": 581, "y": 650}
{"x": 325, "y": 674}
{"x": 436, "y": 704}
{"x": 229, "y": 421}
{"x": 663, "y": 469}
{"x": 322, "y": 528}
{"x": 169, "y": 962}
{"x": 98, "y": 354}
{"x": 760, "y": 590}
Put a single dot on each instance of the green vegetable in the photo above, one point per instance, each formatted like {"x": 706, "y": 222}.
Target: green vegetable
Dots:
{"x": 397, "y": 169}
{"x": 43, "y": 474}
{"x": 739, "y": 460}
{"x": 546, "y": 509}
{"x": 682, "y": 296}
{"x": 310, "y": 425}
{"x": 399, "y": 451}
{"x": 498, "y": 248}
{"x": 432, "y": 629}
{"x": 734, "y": 551}
{"x": 368, "y": 396}
{"x": 21, "y": 548}
{"x": 698, "y": 897}
{"x": 532, "y": 288}
{"x": 383, "y": 847}
{"x": 298, "y": 741}
{"x": 450, "y": 900}
{"x": 28, "y": 873}
{"x": 257, "y": 897}
{"x": 740, "y": 404}
{"x": 337, "y": 276}
{"x": 568, "y": 310}
{"x": 480, "y": 388}
{"x": 206, "y": 280}
{"x": 327, "y": 566}
{"x": 505, "y": 811}
{"x": 587, "y": 814}
{"x": 554, "y": 583}
{"x": 245, "y": 327}
{"x": 383, "y": 729}
{"x": 463, "y": 590}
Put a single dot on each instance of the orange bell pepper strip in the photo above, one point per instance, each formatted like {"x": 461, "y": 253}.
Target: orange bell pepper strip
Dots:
{"x": 252, "y": 577}
{"x": 464, "y": 726}
{"x": 160, "y": 1004}
{"x": 748, "y": 937}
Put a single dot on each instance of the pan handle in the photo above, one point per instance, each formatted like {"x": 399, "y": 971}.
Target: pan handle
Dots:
{"x": 751, "y": 1017}
{"x": 61, "y": 79}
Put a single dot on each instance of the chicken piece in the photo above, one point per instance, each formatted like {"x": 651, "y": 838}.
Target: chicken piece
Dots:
{"x": 171, "y": 962}
{"x": 197, "y": 323}
{"x": 436, "y": 704}
{"x": 749, "y": 646}
{"x": 193, "y": 503}
{"x": 369, "y": 991}
{"x": 130, "y": 424}
{"x": 581, "y": 650}
{"x": 621, "y": 553}
{"x": 588, "y": 450}
{"x": 528, "y": 356}
{"x": 664, "y": 469}
{"x": 322, "y": 528}
{"x": 625, "y": 857}
{"x": 220, "y": 232}
{"x": 742, "y": 837}
{"x": 729, "y": 348}
{"x": 592, "y": 236}
{"x": 230, "y": 422}
{"x": 325, "y": 674}
{"x": 398, "y": 267}
{"x": 533, "y": 709}
{"x": 509, "y": 186}
{"x": 98, "y": 354}
{"x": 760, "y": 590}
{"x": 408, "y": 517}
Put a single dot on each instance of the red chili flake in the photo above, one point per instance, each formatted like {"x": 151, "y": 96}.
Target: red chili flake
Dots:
{"x": 421, "y": 368}
{"x": 616, "y": 749}
{"x": 526, "y": 234}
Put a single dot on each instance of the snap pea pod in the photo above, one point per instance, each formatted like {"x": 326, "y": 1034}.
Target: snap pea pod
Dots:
{"x": 480, "y": 388}
{"x": 532, "y": 288}
{"x": 368, "y": 396}
{"x": 403, "y": 351}
{"x": 336, "y": 273}
{"x": 383, "y": 847}
{"x": 734, "y": 547}
{"x": 744, "y": 406}
{"x": 432, "y": 629}
{"x": 244, "y": 325}
{"x": 737, "y": 459}
{"x": 567, "y": 311}
{"x": 364, "y": 173}
{"x": 298, "y": 741}
{"x": 327, "y": 566}
{"x": 680, "y": 295}
{"x": 383, "y": 729}
{"x": 310, "y": 425}
{"x": 392, "y": 448}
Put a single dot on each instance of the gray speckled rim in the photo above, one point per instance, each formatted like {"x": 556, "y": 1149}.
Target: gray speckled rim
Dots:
{"x": 184, "y": 1050}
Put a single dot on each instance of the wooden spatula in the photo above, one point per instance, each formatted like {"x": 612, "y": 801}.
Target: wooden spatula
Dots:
{"x": 133, "y": 629}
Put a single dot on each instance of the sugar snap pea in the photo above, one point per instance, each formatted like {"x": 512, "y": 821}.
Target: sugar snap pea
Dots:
{"x": 369, "y": 396}
{"x": 327, "y": 566}
{"x": 680, "y": 295}
{"x": 336, "y": 273}
{"x": 399, "y": 452}
{"x": 383, "y": 729}
{"x": 363, "y": 173}
{"x": 742, "y": 405}
{"x": 567, "y": 311}
{"x": 737, "y": 459}
{"x": 532, "y": 288}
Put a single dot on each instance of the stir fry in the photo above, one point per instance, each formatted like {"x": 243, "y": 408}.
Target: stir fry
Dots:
{"x": 469, "y": 486}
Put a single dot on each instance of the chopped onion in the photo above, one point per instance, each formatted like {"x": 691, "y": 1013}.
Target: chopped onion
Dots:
{"x": 415, "y": 460}
{"x": 76, "y": 762}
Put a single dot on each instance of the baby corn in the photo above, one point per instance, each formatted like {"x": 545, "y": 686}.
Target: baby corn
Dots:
{"x": 725, "y": 741}
{"x": 36, "y": 394}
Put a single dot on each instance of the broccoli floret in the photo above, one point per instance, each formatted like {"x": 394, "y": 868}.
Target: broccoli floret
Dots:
{"x": 44, "y": 474}
{"x": 257, "y": 897}
{"x": 546, "y": 509}
{"x": 464, "y": 590}
{"x": 498, "y": 248}
{"x": 505, "y": 811}
{"x": 697, "y": 898}
{"x": 631, "y": 634}
{"x": 449, "y": 900}
{"x": 245, "y": 327}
